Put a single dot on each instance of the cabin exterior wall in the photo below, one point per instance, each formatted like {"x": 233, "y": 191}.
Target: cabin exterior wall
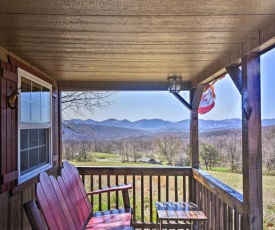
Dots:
{"x": 12, "y": 195}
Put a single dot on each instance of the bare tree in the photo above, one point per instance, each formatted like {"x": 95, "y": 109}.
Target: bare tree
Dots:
{"x": 80, "y": 102}
{"x": 231, "y": 148}
{"x": 169, "y": 146}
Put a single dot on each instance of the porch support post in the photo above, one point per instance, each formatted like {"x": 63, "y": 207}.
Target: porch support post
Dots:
{"x": 252, "y": 142}
{"x": 195, "y": 97}
{"x": 59, "y": 129}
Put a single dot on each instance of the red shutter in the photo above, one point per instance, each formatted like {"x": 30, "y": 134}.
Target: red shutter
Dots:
{"x": 9, "y": 129}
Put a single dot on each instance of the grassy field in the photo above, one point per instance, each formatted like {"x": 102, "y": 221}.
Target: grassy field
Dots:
{"x": 233, "y": 180}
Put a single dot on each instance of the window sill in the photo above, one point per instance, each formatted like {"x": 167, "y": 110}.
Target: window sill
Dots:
{"x": 29, "y": 183}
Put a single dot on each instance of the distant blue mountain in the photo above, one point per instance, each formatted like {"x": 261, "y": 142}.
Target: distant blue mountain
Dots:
{"x": 112, "y": 129}
{"x": 161, "y": 125}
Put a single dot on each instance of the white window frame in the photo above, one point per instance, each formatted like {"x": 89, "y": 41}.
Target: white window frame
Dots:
{"x": 21, "y": 125}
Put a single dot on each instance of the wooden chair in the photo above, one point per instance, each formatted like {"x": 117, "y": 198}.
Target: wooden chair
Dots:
{"x": 65, "y": 205}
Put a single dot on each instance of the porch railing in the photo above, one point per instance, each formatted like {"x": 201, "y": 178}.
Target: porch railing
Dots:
{"x": 222, "y": 205}
{"x": 165, "y": 184}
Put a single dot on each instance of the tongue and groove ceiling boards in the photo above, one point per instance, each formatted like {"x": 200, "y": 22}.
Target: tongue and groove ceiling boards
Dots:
{"x": 135, "y": 41}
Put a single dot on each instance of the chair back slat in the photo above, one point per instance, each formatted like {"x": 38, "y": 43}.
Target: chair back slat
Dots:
{"x": 75, "y": 197}
{"x": 53, "y": 201}
{"x": 63, "y": 203}
{"x": 46, "y": 210}
{"x": 78, "y": 188}
{"x": 75, "y": 216}
{"x": 81, "y": 186}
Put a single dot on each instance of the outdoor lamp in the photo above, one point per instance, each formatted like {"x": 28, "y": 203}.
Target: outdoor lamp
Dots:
{"x": 174, "y": 84}
{"x": 12, "y": 98}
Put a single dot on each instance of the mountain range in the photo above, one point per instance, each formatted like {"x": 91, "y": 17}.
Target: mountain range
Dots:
{"x": 116, "y": 129}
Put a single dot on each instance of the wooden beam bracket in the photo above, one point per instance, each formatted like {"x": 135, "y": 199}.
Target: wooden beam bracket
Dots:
{"x": 236, "y": 75}
{"x": 197, "y": 96}
{"x": 183, "y": 101}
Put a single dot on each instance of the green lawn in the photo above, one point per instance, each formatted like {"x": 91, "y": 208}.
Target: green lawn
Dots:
{"x": 235, "y": 181}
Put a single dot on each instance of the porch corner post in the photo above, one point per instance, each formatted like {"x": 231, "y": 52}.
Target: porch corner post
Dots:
{"x": 194, "y": 139}
{"x": 194, "y": 133}
{"x": 252, "y": 143}
{"x": 194, "y": 146}
{"x": 59, "y": 129}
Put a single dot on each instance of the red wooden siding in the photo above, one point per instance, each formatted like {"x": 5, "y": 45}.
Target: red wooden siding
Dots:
{"x": 9, "y": 129}
{"x": 13, "y": 196}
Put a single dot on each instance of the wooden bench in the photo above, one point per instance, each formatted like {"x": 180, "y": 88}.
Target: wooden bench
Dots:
{"x": 65, "y": 205}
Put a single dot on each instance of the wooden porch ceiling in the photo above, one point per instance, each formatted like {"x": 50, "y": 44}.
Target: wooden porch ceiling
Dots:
{"x": 135, "y": 41}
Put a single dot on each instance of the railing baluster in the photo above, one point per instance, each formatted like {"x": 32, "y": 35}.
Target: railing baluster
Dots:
{"x": 159, "y": 188}
{"x": 134, "y": 198}
{"x": 151, "y": 198}
{"x": 221, "y": 211}
{"x": 217, "y": 213}
{"x": 117, "y": 200}
{"x": 99, "y": 196}
{"x": 230, "y": 215}
{"x": 225, "y": 217}
{"x": 167, "y": 188}
{"x": 142, "y": 198}
{"x": 176, "y": 188}
{"x": 92, "y": 188}
{"x": 108, "y": 195}
{"x": 205, "y": 207}
{"x": 83, "y": 180}
{"x": 184, "y": 188}
{"x": 236, "y": 220}
{"x": 241, "y": 223}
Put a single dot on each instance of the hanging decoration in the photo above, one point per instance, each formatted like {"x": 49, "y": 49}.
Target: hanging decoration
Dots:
{"x": 208, "y": 97}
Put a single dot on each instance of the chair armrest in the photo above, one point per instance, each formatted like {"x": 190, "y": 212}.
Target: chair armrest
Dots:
{"x": 111, "y": 189}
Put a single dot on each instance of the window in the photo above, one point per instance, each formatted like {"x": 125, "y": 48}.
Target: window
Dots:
{"x": 35, "y": 126}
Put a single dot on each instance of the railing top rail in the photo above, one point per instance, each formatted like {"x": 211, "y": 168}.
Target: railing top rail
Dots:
{"x": 227, "y": 194}
{"x": 146, "y": 171}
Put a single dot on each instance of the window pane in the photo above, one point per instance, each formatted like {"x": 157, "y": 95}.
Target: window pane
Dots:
{"x": 42, "y": 155}
{"x": 25, "y": 89}
{"x": 35, "y": 109}
{"x": 23, "y": 139}
{"x": 36, "y": 93}
{"x": 33, "y": 138}
{"x": 45, "y": 96}
{"x": 42, "y": 136}
{"x": 36, "y": 149}
{"x": 24, "y": 160}
{"x": 25, "y": 111}
{"x": 33, "y": 157}
{"x": 45, "y": 114}
{"x": 35, "y": 113}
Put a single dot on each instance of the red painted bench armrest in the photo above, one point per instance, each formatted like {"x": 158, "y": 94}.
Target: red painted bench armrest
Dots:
{"x": 111, "y": 189}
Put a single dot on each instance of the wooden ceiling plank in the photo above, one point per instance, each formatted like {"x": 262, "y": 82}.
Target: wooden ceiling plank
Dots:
{"x": 132, "y": 7}
{"x": 61, "y": 37}
{"x": 167, "y": 24}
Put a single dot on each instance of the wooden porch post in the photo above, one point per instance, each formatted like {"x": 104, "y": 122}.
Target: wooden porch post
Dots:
{"x": 252, "y": 142}
{"x": 194, "y": 139}
{"x": 195, "y": 97}
{"x": 60, "y": 133}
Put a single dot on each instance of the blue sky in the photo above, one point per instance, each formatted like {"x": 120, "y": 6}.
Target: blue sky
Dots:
{"x": 148, "y": 105}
